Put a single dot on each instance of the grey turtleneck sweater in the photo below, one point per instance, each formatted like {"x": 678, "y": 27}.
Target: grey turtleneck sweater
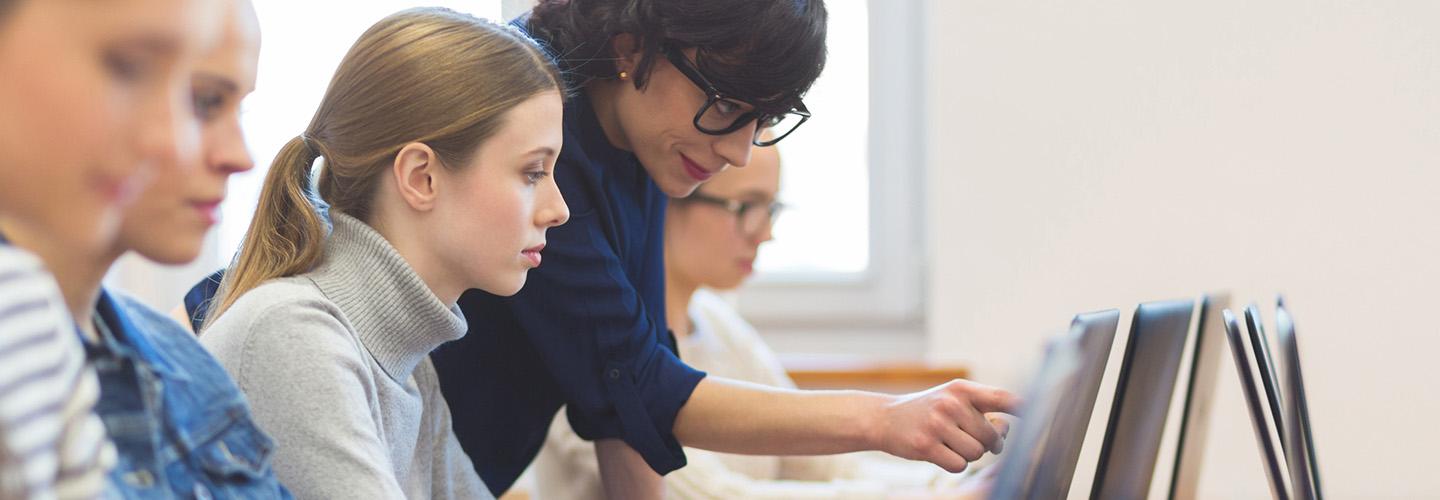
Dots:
{"x": 335, "y": 364}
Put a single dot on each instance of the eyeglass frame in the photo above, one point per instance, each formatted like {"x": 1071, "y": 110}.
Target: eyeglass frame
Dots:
{"x": 738, "y": 209}
{"x": 712, "y": 95}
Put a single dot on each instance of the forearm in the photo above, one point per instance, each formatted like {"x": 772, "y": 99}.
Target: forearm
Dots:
{"x": 737, "y": 417}
{"x": 624, "y": 473}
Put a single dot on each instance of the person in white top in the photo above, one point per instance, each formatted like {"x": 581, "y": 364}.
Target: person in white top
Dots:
{"x": 93, "y": 93}
{"x": 711, "y": 242}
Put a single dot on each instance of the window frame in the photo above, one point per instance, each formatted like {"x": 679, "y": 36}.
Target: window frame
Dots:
{"x": 888, "y": 295}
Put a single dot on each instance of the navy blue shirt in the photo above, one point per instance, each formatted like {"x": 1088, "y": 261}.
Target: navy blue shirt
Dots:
{"x": 587, "y": 330}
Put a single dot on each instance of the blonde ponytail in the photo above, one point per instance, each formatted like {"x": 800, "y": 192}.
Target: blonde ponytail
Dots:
{"x": 286, "y": 236}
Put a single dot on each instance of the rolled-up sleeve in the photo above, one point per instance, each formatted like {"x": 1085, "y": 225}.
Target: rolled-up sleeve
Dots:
{"x": 595, "y": 336}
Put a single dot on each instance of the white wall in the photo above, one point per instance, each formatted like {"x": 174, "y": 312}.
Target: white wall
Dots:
{"x": 1087, "y": 155}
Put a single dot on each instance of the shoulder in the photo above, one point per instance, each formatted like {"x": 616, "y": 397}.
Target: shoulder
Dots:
{"x": 24, "y": 279}
{"x": 170, "y": 340}
{"x": 742, "y": 346}
{"x": 153, "y": 324}
{"x": 712, "y": 311}
{"x": 13, "y": 259}
{"x": 31, "y": 307}
{"x": 276, "y": 302}
{"x": 284, "y": 321}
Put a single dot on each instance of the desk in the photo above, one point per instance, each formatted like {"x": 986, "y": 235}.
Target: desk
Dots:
{"x": 851, "y": 372}
{"x": 860, "y": 372}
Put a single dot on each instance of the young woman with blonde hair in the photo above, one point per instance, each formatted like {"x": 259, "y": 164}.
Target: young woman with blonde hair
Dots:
{"x": 438, "y": 136}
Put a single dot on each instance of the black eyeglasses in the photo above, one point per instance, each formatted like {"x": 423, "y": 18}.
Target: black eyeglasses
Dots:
{"x": 722, "y": 114}
{"x": 750, "y": 217}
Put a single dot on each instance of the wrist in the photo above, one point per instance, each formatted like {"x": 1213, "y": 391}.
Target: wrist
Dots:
{"x": 875, "y": 420}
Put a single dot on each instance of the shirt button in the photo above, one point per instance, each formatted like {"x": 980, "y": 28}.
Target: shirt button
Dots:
{"x": 614, "y": 374}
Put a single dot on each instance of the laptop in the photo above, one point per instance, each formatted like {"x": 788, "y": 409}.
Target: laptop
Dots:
{"x": 1199, "y": 396}
{"x": 1260, "y": 343}
{"x": 1040, "y": 456}
{"x": 1300, "y": 447}
{"x": 1142, "y": 400}
{"x": 1245, "y": 365}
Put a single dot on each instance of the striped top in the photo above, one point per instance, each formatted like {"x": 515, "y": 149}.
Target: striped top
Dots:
{"x": 52, "y": 446}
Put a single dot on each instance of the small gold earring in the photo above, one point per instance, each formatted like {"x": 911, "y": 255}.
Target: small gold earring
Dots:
{"x": 624, "y": 75}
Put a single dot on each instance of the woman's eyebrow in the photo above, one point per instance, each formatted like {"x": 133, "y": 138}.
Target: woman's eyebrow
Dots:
{"x": 755, "y": 195}
{"x": 225, "y": 83}
{"x": 542, "y": 150}
{"x": 160, "y": 44}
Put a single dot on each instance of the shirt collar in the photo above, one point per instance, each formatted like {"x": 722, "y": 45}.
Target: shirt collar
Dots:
{"x": 122, "y": 336}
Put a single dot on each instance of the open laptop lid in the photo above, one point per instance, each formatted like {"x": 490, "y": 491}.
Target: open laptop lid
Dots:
{"x": 1018, "y": 467}
{"x": 1260, "y": 344}
{"x": 1142, "y": 399}
{"x": 1300, "y": 450}
{"x": 1062, "y": 395}
{"x": 1199, "y": 396}
{"x": 1245, "y": 365}
{"x": 1067, "y": 432}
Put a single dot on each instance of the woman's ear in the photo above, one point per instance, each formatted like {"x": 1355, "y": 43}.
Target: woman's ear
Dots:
{"x": 627, "y": 53}
{"x": 414, "y": 172}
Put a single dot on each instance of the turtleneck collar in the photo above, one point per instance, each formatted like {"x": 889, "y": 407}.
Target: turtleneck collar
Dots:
{"x": 394, "y": 313}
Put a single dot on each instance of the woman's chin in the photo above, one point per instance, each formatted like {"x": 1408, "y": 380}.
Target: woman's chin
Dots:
{"x": 728, "y": 283}
{"x": 678, "y": 188}
{"x": 507, "y": 288}
{"x": 172, "y": 255}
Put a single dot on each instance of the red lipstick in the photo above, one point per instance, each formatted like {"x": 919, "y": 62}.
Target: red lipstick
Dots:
{"x": 695, "y": 170}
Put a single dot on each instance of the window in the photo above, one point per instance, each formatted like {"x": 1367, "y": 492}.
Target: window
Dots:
{"x": 825, "y": 179}
{"x": 849, "y": 253}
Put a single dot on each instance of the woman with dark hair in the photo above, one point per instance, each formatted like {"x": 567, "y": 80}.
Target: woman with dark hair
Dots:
{"x": 666, "y": 94}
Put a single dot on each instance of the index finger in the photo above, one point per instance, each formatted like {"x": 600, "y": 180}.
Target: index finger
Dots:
{"x": 1000, "y": 422}
{"x": 989, "y": 399}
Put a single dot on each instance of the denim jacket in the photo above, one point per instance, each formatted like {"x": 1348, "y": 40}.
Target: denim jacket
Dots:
{"x": 179, "y": 423}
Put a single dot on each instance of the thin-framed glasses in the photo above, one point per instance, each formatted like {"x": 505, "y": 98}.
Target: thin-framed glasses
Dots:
{"x": 751, "y": 217}
{"x": 722, "y": 114}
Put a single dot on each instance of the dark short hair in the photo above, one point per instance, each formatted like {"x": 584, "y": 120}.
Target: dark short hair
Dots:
{"x": 767, "y": 52}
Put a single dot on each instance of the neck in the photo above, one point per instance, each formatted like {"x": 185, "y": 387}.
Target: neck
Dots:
{"x": 436, "y": 277}
{"x": 678, "y": 291}
{"x": 602, "y": 95}
{"x": 77, "y": 271}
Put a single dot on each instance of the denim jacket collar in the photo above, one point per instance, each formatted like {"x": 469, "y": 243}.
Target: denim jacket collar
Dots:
{"x": 121, "y": 341}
